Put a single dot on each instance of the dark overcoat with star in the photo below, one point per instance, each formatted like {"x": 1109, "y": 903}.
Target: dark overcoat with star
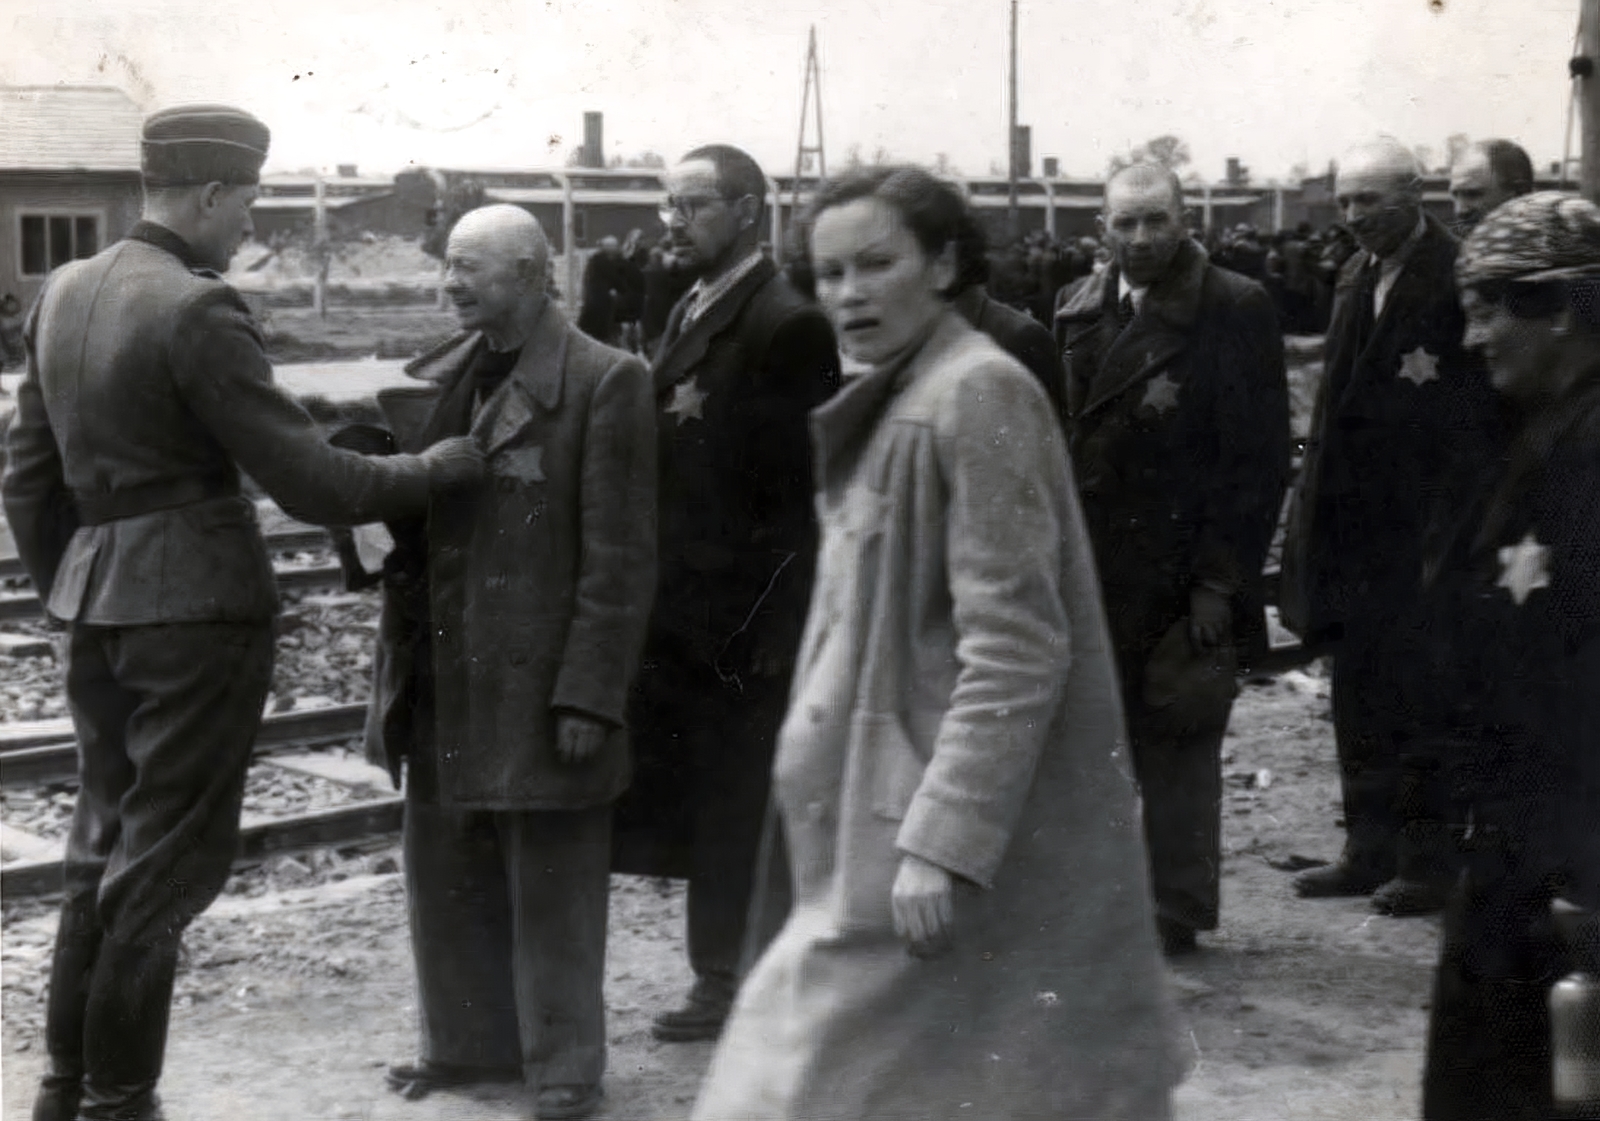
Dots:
{"x": 532, "y": 590}
{"x": 1401, "y": 402}
{"x": 1179, "y": 428}
{"x": 1179, "y": 431}
{"x": 1509, "y": 626}
{"x": 737, "y": 544}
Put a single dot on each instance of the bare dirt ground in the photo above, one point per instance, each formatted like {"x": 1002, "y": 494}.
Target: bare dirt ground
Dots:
{"x": 293, "y": 997}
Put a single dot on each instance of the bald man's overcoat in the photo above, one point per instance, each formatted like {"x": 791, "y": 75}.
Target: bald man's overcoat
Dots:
{"x": 538, "y": 580}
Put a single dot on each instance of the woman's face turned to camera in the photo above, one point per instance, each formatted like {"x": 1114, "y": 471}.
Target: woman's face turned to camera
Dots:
{"x": 879, "y": 288}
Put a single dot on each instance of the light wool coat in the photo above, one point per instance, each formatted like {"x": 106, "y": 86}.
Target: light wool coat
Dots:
{"x": 955, "y": 698}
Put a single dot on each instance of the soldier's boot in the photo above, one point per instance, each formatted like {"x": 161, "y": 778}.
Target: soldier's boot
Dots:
{"x": 125, "y": 1029}
{"x": 71, "y": 970}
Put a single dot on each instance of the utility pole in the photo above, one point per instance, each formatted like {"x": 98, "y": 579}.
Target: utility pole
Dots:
{"x": 1013, "y": 219}
{"x": 812, "y": 96}
{"x": 1584, "y": 69}
{"x": 319, "y": 247}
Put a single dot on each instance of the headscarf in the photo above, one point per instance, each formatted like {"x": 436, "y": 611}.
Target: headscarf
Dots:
{"x": 1546, "y": 236}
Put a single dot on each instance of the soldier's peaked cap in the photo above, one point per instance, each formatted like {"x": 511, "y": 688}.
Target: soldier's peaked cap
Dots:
{"x": 188, "y": 145}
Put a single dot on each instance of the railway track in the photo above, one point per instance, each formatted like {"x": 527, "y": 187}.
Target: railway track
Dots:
{"x": 24, "y": 604}
{"x": 44, "y": 754}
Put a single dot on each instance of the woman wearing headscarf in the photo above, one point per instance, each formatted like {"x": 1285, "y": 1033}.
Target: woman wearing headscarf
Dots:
{"x": 971, "y": 935}
{"x": 1511, "y": 616}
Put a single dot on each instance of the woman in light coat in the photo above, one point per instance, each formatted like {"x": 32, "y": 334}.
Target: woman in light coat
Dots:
{"x": 971, "y": 935}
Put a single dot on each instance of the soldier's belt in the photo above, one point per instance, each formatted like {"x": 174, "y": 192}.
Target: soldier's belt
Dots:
{"x": 98, "y": 508}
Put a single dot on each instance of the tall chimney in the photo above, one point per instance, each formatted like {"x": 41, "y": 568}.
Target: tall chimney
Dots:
{"x": 594, "y": 148}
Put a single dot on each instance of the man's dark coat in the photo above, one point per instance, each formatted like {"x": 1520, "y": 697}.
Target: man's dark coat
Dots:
{"x": 1179, "y": 431}
{"x": 737, "y": 544}
{"x": 1399, "y": 404}
{"x": 1180, "y": 438}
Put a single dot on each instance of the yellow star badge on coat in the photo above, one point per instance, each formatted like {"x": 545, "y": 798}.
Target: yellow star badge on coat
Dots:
{"x": 1161, "y": 394}
{"x": 1524, "y": 567}
{"x": 687, "y": 399}
{"x": 1419, "y": 367}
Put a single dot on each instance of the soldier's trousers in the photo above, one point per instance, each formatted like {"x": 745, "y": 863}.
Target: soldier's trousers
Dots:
{"x": 508, "y": 927}
{"x": 166, "y": 717}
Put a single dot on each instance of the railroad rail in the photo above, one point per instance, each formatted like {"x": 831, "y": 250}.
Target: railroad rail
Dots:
{"x": 26, "y": 605}
{"x": 46, "y": 753}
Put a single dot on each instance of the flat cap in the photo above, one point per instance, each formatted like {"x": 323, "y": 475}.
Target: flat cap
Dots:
{"x": 1546, "y": 236}
{"x": 188, "y": 145}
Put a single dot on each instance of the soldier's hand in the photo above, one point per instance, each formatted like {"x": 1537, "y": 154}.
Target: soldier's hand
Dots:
{"x": 578, "y": 737}
{"x": 1210, "y": 619}
{"x": 454, "y": 462}
{"x": 923, "y": 901}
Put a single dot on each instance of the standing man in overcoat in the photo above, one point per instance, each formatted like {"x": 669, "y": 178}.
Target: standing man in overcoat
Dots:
{"x": 1179, "y": 420}
{"x": 147, "y": 394}
{"x": 1402, "y": 416}
{"x": 743, "y": 360}
{"x": 503, "y": 676}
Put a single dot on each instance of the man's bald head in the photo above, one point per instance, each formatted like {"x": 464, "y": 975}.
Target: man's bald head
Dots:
{"x": 505, "y": 230}
{"x": 1379, "y": 190}
{"x": 495, "y": 270}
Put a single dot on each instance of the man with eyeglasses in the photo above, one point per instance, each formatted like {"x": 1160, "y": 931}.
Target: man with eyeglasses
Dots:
{"x": 743, "y": 360}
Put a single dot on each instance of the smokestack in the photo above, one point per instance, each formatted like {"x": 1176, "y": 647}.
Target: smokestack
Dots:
{"x": 594, "y": 148}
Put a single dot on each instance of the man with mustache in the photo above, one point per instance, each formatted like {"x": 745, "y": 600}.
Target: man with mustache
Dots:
{"x": 745, "y": 357}
{"x": 1399, "y": 406}
{"x": 1179, "y": 427}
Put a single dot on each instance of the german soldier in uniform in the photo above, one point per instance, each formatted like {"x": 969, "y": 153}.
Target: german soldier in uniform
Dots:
{"x": 1179, "y": 422}
{"x": 147, "y": 394}
{"x": 743, "y": 360}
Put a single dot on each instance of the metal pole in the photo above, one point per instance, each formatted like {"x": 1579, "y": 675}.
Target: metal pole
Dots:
{"x": 569, "y": 225}
{"x": 319, "y": 248}
{"x": 1589, "y": 98}
{"x": 1013, "y": 219}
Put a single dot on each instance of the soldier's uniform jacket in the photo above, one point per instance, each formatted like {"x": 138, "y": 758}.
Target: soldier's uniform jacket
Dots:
{"x": 1400, "y": 406}
{"x": 1509, "y": 626}
{"x": 147, "y": 392}
{"x": 1179, "y": 429}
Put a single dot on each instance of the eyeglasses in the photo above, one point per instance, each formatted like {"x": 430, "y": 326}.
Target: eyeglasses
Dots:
{"x": 687, "y": 207}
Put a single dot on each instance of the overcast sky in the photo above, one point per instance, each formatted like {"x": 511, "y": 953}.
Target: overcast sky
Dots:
{"x": 503, "y": 83}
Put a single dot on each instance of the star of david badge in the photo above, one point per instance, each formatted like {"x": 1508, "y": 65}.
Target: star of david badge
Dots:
{"x": 1420, "y": 367}
{"x": 1161, "y": 394}
{"x": 1524, "y": 567}
{"x": 687, "y": 401}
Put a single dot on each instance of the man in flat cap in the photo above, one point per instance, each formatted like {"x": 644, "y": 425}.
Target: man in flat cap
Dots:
{"x": 147, "y": 395}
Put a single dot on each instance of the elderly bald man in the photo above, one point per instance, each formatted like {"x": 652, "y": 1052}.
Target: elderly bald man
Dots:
{"x": 506, "y": 656}
{"x": 1402, "y": 416}
{"x": 1488, "y": 174}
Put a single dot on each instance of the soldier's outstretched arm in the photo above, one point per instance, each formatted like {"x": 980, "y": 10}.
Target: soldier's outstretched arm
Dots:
{"x": 39, "y": 507}
{"x": 221, "y": 365}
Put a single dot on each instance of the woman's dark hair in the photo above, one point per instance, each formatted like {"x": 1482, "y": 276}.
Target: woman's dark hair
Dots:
{"x": 935, "y": 211}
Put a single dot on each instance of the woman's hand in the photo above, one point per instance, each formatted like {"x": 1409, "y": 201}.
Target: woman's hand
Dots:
{"x": 923, "y": 900}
